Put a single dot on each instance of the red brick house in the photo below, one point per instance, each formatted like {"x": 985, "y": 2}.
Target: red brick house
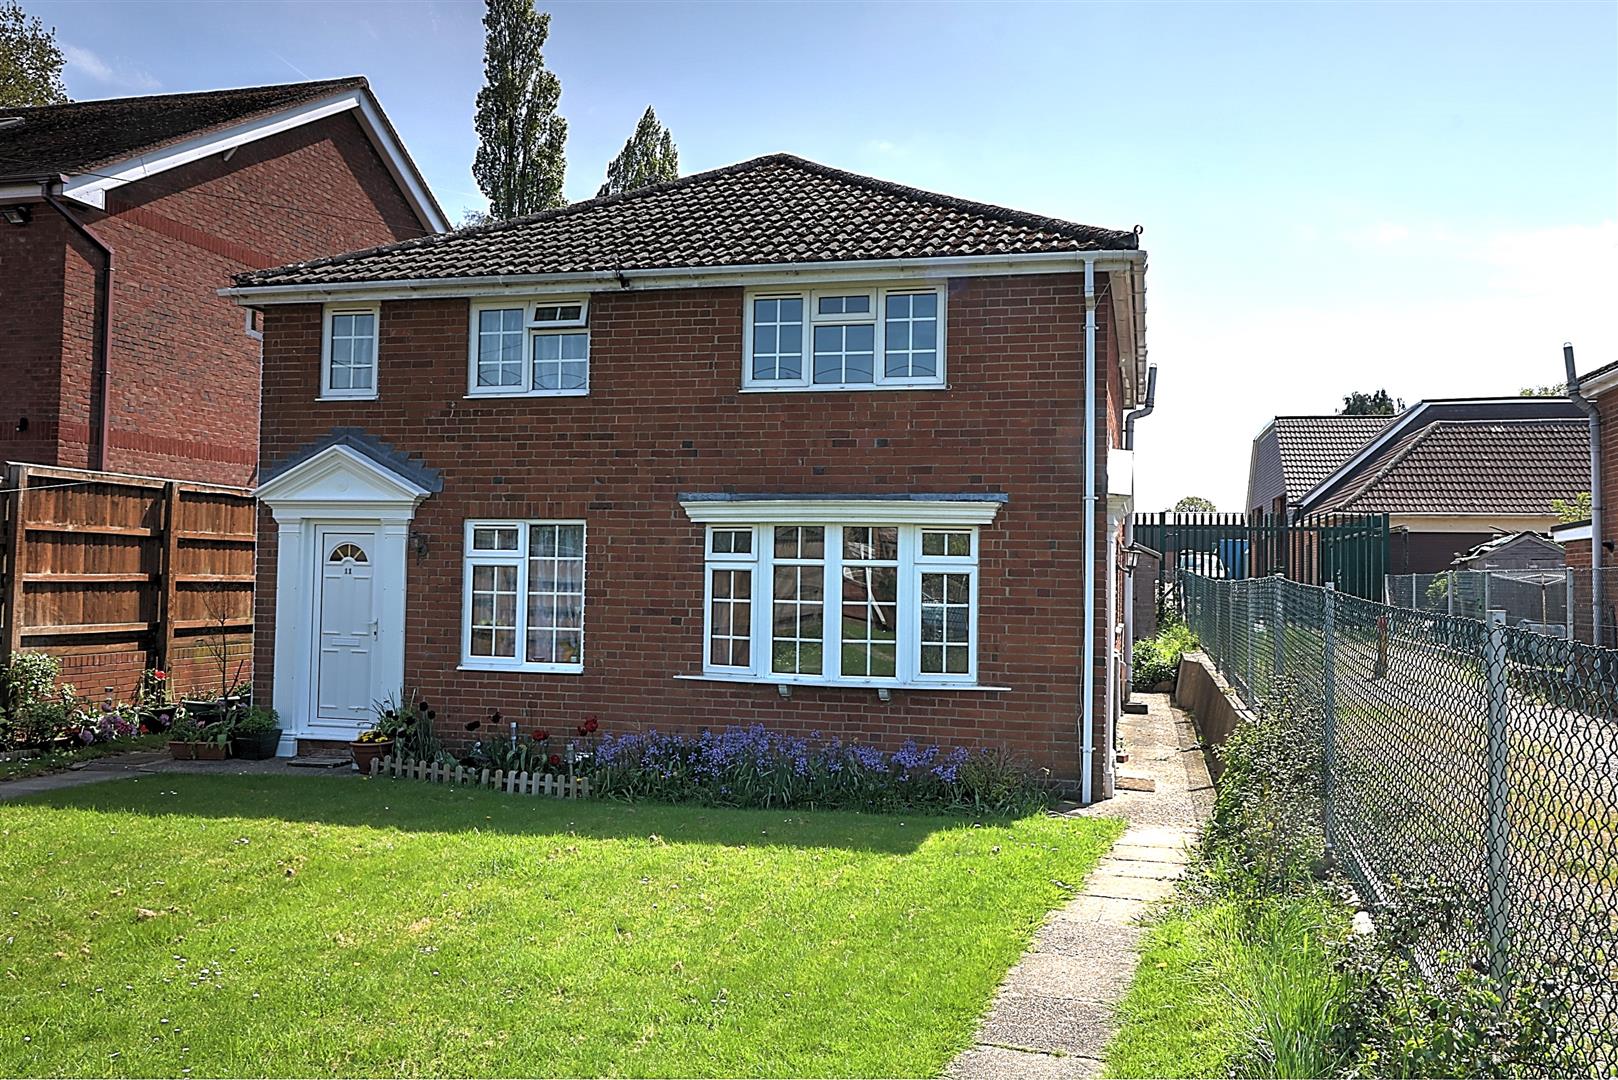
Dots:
{"x": 618, "y": 459}
{"x": 120, "y": 220}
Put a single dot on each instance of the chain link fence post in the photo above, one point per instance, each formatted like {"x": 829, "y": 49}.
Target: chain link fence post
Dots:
{"x": 1496, "y": 833}
{"x": 1278, "y": 634}
{"x": 1328, "y": 695}
{"x": 1252, "y": 694}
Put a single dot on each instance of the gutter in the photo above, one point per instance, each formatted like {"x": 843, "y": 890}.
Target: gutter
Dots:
{"x": 103, "y": 346}
{"x": 1129, "y": 534}
{"x": 677, "y": 276}
{"x": 1594, "y": 414}
{"x": 1087, "y": 701}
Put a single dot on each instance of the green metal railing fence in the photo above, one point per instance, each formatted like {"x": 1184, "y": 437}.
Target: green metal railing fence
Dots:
{"x": 1458, "y": 753}
{"x": 1348, "y": 550}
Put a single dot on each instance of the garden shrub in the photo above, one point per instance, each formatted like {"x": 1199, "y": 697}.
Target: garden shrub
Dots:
{"x": 1157, "y": 658}
{"x": 755, "y": 767}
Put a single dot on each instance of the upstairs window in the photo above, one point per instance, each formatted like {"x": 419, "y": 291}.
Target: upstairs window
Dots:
{"x": 845, "y": 338}
{"x": 529, "y": 349}
{"x": 348, "y": 352}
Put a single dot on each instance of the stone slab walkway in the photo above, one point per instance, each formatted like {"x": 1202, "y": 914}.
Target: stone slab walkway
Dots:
{"x": 1053, "y": 1016}
{"x": 148, "y": 763}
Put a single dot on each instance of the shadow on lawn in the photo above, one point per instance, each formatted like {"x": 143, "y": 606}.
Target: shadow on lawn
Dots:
{"x": 415, "y": 807}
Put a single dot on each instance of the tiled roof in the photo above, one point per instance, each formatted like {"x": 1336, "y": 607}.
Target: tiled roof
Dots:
{"x": 774, "y": 209}
{"x": 51, "y": 140}
{"x": 366, "y": 445}
{"x": 1474, "y": 467}
{"x": 1313, "y": 447}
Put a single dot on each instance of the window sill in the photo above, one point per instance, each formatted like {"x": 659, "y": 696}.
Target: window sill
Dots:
{"x": 495, "y": 395}
{"x": 524, "y": 669}
{"x": 828, "y": 388}
{"x": 840, "y": 684}
{"x": 346, "y": 397}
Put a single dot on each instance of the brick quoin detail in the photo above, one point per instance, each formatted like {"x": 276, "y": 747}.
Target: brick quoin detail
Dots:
{"x": 664, "y": 416}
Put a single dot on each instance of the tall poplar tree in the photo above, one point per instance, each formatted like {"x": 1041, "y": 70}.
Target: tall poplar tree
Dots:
{"x": 648, "y": 157}
{"x": 520, "y": 161}
{"x": 30, "y": 60}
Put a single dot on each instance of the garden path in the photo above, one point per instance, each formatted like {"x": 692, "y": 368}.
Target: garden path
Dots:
{"x": 1053, "y": 1015}
{"x": 143, "y": 763}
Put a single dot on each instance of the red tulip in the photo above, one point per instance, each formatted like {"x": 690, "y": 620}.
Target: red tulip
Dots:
{"x": 556, "y": 760}
{"x": 540, "y": 735}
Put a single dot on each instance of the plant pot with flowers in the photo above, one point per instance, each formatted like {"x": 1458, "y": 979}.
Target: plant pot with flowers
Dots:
{"x": 191, "y": 740}
{"x": 375, "y": 743}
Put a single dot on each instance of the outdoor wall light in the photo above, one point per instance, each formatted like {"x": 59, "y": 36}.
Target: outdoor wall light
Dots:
{"x": 20, "y": 214}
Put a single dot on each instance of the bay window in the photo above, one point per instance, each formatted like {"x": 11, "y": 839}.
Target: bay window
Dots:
{"x": 523, "y": 607}
{"x": 852, "y": 604}
{"x": 527, "y": 349}
{"x": 854, "y": 338}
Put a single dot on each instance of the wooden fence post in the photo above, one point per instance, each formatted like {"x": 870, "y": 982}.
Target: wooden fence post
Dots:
{"x": 16, "y": 546}
{"x": 169, "y": 602}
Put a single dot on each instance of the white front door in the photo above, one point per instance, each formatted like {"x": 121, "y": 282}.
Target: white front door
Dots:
{"x": 347, "y": 627}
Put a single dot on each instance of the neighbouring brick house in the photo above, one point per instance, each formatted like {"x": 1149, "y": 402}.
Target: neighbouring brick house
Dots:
{"x": 120, "y": 220}
{"x": 1451, "y": 474}
{"x": 617, "y": 459}
{"x": 1595, "y": 621}
{"x": 146, "y": 369}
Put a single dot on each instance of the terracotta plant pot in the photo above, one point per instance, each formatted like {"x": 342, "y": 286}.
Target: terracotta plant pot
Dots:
{"x": 367, "y": 752}
{"x": 182, "y": 751}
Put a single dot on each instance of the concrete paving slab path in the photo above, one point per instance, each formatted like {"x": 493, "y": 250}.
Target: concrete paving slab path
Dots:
{"x": 148, "y": 763}
{"x": 1053, "y": 1016}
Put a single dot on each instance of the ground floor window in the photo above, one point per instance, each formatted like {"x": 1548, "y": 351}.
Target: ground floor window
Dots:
{"x": 524, "y": 596}
{"x": 864, "y": 604}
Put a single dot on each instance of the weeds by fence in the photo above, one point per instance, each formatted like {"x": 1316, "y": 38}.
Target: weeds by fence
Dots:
{"x": 1461, "y": 758}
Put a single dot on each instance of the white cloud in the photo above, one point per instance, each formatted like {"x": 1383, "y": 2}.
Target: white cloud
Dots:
{"x": 87, "y": 63}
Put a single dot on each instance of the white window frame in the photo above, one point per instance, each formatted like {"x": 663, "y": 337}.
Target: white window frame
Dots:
{"x": 471, "y": 558}
{"x": 908, "y": 646}
{"x": 327, "y": 391}
{"x": 811, "y": 318}
{"x": 533, "y": 328}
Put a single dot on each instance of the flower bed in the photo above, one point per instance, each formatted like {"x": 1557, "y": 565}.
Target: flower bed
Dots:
{"x": 756, "y": 767}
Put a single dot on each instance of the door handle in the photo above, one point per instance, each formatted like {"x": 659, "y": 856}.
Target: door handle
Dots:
{"x": 374, "y": 628}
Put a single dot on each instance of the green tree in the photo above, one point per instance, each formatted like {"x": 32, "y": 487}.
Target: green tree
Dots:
{"x": 1379, "y": 403}
{"x": 520, "y": 162}
{"x": 1194, "y": 504}
{"x": 648, "y": 157}
{"x": 1552, "y": 390}
{"x": 1575, "y": 509}
{"x": 30, "y": 60}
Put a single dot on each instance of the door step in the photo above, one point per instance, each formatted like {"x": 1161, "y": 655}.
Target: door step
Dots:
{"x": 320, "y": 761}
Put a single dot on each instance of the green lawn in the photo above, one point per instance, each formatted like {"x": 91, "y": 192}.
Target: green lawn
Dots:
{"x": 296, "y": 925}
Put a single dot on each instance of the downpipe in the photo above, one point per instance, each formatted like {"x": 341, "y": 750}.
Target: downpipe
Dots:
{"x": 1596, "y": 560}
{"x": 1129, "y": 534}
{"x": 1088, "y": 701}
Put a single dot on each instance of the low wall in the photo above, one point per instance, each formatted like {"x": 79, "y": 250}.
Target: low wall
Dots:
{"x": 1203, "y": 692}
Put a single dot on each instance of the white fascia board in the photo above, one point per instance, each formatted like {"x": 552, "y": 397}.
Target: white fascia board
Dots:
{"x": 91, "y": 188}
{"x": 942, "y": 512}
{"x": 1462, "y": 523}
{"x": 1601, "y": 384}
{"x": 762, "y": 275}
{"x": 1578, "y": 530}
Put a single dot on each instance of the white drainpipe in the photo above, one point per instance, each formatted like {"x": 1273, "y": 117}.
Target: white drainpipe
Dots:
{"x": 1087, "y": 702}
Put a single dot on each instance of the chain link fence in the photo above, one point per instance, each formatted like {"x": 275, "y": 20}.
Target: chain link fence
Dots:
{"x": 1543, "y": 601}
{"x": 1460, "y": 754}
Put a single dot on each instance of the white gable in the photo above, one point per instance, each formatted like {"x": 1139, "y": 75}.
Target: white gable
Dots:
{"x": 340, "y": 479}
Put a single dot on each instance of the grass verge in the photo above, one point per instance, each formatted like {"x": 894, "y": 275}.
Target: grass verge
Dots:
{"x": 275, "y": 925}
{"x": 1224, "y": 989}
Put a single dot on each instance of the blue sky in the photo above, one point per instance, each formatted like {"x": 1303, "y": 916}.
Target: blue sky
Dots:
{"x": 1334, "y": 196}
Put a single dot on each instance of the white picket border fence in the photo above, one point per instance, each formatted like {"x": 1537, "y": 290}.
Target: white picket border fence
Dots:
{"x": 513, "y": 783}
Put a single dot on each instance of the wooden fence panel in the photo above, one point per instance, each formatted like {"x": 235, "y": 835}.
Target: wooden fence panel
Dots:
{"x": 115, "y": 574}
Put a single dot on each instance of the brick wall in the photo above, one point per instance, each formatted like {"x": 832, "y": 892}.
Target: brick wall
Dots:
{"x": 663, "y": 417}
{"x": 184, "y": 374}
